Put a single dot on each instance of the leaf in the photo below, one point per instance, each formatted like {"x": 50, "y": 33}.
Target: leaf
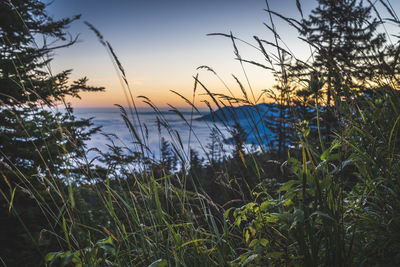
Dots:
{"x": 288, "y": 185}
{"x": 192, "y": 241}
{"x": 299, "y": 7}
{"x": 327, "y": 152}
{"x": 298, "y": 217}
{"x": 249, "y": 259}
{"x": 288, "y": 202}
{"x": 159, "y": 263}
{"x": 50, "y": 256}
{"x": 343, "y": 165}
{"x": 279, "y": 233}
{"x": 67, "y": 258}
{"x": 108, "y": 249}
{"x": 247, "y": 236}
{"x": 392, "y": 131}
{"x": 253, "y": 243}
{"x": 322, "y": 214}
{"x": 6, "y": 180}
{"x": 242, "y": 157}
{"x": 238, "y": 221}
{"x": 274, "y": 255}
{"x": 12, "y": 199}
{"x": 293, "y": 163}
{"x": 105, "y": 230}
{"x": 264, "y": 205}
{"x": 306, "y": 132}
{"x": 226, "y": 213}
{"x": 252, "y": 231}
{"x": 264, "y": 242}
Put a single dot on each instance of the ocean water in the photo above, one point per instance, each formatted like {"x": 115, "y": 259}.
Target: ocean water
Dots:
{"x": 179, "y": 132}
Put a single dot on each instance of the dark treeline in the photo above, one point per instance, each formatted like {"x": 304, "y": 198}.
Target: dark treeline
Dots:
{"x": 319, "y": 186}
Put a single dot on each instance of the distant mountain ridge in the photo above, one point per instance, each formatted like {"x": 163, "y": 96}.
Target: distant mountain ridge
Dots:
{"x": 229, "y": 113}
{"x": 253, "y": 119}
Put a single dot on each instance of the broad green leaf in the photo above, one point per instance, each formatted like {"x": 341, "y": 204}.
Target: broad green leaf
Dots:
{"x": 288, "y": 185}
{"x": 264, "y": 206}
{"x": 50, "y": 256}
{"x": 247, "y": 236}
{"x": 327, "y": 152}
{"x": 105, "y": 241}
{"x": 238, "y": 221}
{"x": 264, "y": 242}
{"x": 226, "y": 213}
{"x": 253, "y": 243}
{"x": 159, "y": 263}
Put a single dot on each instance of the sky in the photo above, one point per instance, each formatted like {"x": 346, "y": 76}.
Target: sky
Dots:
{"x": 160, "y": 44}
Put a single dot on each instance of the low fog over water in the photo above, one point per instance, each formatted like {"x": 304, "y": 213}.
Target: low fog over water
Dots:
{"x": 111, "y": 121}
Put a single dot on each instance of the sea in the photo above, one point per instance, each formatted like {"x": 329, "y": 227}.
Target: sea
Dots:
{"x": 184, "y": 131}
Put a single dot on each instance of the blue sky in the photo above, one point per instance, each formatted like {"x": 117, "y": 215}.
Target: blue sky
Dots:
{"x": 162, "y": 42}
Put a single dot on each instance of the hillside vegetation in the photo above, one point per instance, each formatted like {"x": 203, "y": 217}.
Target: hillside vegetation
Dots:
{"x": 313, "y": 178}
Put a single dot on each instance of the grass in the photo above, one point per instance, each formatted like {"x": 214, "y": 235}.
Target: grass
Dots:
{"x": 321, "y": 194}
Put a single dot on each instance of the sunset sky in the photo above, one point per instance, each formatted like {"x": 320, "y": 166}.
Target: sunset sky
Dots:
{"x": 161, "y": 43}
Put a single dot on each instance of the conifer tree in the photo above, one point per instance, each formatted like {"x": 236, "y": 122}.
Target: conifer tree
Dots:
{"x": 168, "y": 158}
{"x": 215, "y": 146}
{"x": 31, "y": 135}
{"x": 37, "y": 145}
{"x": 344, "y": 37}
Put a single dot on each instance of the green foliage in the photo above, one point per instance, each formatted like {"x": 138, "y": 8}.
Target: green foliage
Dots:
{"x": 307, "y": 223}
{"x": 333, "y": 200}
{"x": 39, "y": 148}
{"x": 374, "y": 136}
{"x": 100, "y": 254}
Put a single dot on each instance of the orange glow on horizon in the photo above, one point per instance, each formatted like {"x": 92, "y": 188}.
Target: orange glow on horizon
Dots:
{"x": 160, "y": 92}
